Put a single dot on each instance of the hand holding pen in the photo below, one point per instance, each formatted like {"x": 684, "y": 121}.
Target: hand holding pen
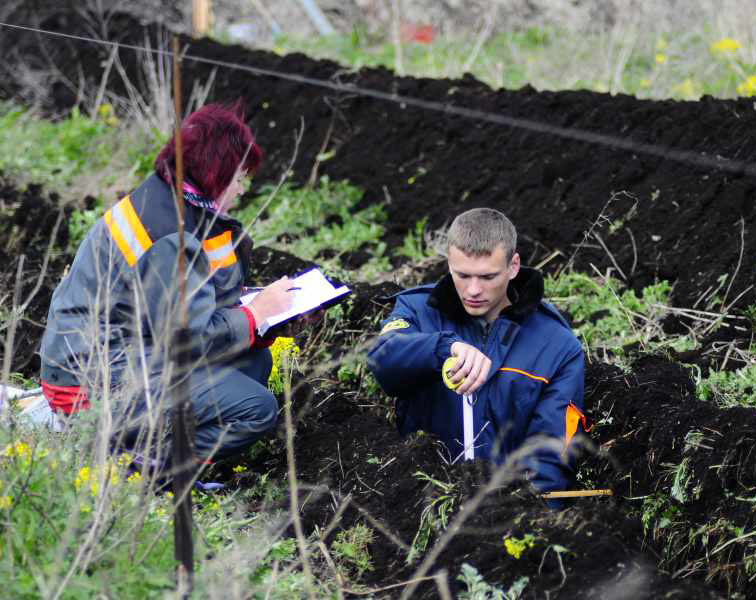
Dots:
{"x": 273, "y": 299}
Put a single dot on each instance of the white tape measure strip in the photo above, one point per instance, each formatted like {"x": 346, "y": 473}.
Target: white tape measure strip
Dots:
{"x": 467, "y": 420}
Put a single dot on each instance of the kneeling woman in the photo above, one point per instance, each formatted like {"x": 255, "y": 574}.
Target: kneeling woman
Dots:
{"x": 109, "y": 328}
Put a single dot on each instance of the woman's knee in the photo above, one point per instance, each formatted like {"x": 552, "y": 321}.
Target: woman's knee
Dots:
{"x": 257, "y": 363}
{"x": 267, "y": 410}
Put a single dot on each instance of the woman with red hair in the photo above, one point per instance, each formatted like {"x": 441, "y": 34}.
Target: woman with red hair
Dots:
{"x": 110, "y": 324}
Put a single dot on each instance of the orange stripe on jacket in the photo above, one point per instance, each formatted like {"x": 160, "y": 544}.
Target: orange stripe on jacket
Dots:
{"x": 220, "y": 250}
{"x": 521, "y": 372}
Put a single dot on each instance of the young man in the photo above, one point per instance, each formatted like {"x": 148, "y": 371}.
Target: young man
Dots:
{"x": 519, "y": 364}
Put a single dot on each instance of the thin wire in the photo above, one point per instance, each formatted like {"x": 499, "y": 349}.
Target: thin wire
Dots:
{"x": 683, "y": 156}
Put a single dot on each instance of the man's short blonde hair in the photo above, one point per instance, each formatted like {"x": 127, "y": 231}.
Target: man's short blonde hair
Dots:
{"x": 477, "y": 232}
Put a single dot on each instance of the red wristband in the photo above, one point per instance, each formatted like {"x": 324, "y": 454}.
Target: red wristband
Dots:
{"x": 252, "y": 324}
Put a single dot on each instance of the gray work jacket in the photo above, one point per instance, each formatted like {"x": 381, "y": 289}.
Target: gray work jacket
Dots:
{"x": 114, "y": 310}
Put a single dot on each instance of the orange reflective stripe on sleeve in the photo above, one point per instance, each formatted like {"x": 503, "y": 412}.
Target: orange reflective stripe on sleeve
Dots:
{"x": 220, "y": 250}
{"x": 127, "y": 231}
{"x": 521, "y": 372}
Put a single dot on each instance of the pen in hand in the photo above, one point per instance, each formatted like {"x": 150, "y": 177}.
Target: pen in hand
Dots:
{"x": 293, "y": 289}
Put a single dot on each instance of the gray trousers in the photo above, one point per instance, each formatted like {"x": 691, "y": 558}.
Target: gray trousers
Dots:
{"x": 232, "y": 407}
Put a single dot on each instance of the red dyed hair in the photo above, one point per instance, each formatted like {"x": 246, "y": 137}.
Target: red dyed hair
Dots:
{"x": 214, "y": 140}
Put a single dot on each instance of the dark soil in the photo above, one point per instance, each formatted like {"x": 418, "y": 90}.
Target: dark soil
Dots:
{"x": 29, "y": 222}
{"x": 682, "y": 471}
{"x": 672, "y": 220}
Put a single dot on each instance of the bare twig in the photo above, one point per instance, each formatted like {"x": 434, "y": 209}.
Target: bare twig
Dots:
{"x": 561, "y": 565}
{"x": 412, "y": 582}
{"x": 45, "y": 262}
{"x": 320, "y": 157}
{"x": 740, "y": 261}
{"x": 635, "y": 251}
{"x": 442, "y": 583}
{"x": 332, "y": 565}
{"x": 10, "y": 336}
{"x": 104, "y": 79}
{"x": 395, "y": 30}
{"x": 611, "y": 256}
{"x": 294, "y": 492}
{"x": 599, "y": 220}
{"x": 484, "y": 34}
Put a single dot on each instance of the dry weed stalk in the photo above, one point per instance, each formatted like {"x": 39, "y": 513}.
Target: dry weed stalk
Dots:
{"x": 396, "y": 17}
{"x": 153, "y": 110}
{"x": 294, "y": 490}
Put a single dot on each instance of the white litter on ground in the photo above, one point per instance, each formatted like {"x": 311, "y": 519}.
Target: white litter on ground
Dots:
{"x": 34, "y": 407}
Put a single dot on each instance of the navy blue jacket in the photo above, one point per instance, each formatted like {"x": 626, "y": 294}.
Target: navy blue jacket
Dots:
{"x": 536, "y": 374}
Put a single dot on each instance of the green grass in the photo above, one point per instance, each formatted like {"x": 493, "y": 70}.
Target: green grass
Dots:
{"x": 613, "y": 322}
{"x": 321, "y": 224}
{"x": 75, "y": 157}
{"x": 350, "y": 550}
{"x": 729, "y": 388}
{"x": 71, "y": 521}
{"x": 52, "y": 153}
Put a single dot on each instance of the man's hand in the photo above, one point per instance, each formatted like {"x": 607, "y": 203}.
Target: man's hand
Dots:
{"x": 272, "y": 300}
{"x": 471, "y": 365}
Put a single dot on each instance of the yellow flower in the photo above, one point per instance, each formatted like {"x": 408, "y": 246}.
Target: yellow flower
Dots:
{"x": 114, "y": 478}
{"x": 239, "y": 469}
{"x": 135, "y": 477}
{"x": 661, "y": 58}
{"x": 724, "y": 46}
{"x": 124, "y": 460}
{"x": 105, "y": 110}
{"x": 20, "y": 449}
{"x": 85, "y": 509}
{"x": 747, "y": 87}
{"x": 82, "y": 477}
{"x": 6, "y": 501}
{"x": 687, "y": 90}
{"x": 283, "y": 348}
{"x": 515, "y": 547}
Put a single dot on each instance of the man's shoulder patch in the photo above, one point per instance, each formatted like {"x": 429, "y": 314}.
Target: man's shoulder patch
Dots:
{"x": 395, "y": 324}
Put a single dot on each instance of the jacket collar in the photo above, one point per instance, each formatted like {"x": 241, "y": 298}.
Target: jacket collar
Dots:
{"x": 525, "y": 291}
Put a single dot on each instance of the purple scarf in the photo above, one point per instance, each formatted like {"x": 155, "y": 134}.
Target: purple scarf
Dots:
{"x": 194, "y": 197}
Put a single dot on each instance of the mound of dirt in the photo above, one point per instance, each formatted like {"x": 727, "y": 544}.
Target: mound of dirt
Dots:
{"x": 657, "y": 218}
